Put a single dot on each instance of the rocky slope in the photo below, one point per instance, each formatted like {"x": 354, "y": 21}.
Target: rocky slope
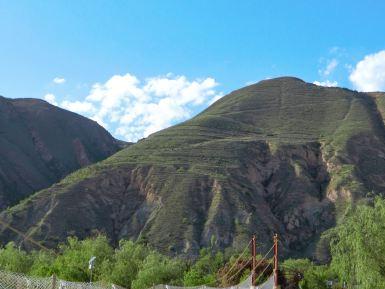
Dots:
{"x": 279, "y": 156}
{"x": 41, "y": 143}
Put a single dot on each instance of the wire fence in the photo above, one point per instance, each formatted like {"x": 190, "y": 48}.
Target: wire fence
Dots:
{"x": 11, "y": 280}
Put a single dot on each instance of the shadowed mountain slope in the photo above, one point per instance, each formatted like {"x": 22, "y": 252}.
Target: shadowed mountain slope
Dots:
{"x": 41, "y": 143}
{"x": 279, "y": 156}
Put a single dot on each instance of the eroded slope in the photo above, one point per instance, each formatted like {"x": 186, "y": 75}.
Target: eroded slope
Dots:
{"x": 280, "y": 156}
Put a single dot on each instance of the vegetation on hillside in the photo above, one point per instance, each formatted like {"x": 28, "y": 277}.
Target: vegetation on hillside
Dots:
{"x": 279, "y": 154}
{"x": 357, "y": 247}
{"x": 131, "y": 265}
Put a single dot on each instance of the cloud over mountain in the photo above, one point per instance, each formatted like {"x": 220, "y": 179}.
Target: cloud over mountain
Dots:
{"x": 134, "y": 109}
{"x": 369, "y": 73}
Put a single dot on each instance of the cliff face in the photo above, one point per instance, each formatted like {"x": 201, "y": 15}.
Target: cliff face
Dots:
{"x": 40, "y": 144}
{"x": 280, "y": 156}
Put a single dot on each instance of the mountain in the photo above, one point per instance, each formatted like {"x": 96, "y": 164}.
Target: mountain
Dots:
{"x": 41, "y": 143}
{"x": 281, "y": 156}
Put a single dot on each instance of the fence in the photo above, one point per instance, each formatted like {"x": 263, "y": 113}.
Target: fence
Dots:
{"x": 10, "y": 280}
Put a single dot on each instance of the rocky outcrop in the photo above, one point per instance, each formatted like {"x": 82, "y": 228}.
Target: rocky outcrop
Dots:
{"x": 282, "y": 192}
{"x": 282, "y": 156}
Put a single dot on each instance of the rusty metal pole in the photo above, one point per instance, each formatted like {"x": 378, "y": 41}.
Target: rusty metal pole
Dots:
{"x": 275, "y": 261}
{"x": 254, "y": 260}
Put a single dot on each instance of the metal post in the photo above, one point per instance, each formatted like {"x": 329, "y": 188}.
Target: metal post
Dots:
{"x": 53, "y": 281}
{"x": 91, "y": 264}
{"x": 254, "y": 261}
{"x": 275, "y": 261}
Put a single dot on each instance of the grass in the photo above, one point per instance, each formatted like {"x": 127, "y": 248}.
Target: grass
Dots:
{"x": 271, "y": 117}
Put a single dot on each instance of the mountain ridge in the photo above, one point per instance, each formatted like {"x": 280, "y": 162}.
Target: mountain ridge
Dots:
{"x": 41, "y": 143}
{"x": 281, "y": 156}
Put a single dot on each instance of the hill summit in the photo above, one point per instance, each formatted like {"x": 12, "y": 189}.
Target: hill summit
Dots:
{"x": 281, "y": 156}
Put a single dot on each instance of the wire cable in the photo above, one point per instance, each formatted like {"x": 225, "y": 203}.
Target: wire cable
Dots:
{"x": 236, "y": 261}
{"x": 259, "y": 276}
{"x": 259, "y": 263}
{"x": 236, "y": 273}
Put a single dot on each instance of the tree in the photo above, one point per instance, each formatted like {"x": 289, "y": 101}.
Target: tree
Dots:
{"x": 204, "y": 270}
{"x": 14, "y": 259}
{"x": 357, "y": 250}
{"x": 42, "y": 263}
{"x": 125, "y": 264}
{"x": 158, "y": 269}
{"x": 72, "y": 263}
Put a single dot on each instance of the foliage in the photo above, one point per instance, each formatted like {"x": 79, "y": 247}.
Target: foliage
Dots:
{"x": 314, "y": 277}
{"x": 205, "y": 269}
{"x": 126, "y": 263}
{"x": 158, "y": 269}
{"x": 43, "y": 264}
{"x": 357, "y": 251}
{"x": 14, "y": 259}
{"x": 131, "y": 265}
{"x": 72, "y": 263}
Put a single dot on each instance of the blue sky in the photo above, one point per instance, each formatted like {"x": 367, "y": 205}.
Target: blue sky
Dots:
{"x": 139, "y": 66}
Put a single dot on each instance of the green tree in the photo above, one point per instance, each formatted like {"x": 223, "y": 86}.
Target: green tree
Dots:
{"x": 158, "y": 269}
{"x": 204, "y": 270}
{"x": 125, "y": 264}
{"x": 14, "y": 259}
{"x": 314, "y": 277}
{"x": 72, "y": 263}
{"x": 357, "y": 250}
{"x": 43, "y": 263}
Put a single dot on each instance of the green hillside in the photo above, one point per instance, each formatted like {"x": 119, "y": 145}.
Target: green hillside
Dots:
{"x": 279, "y": 156}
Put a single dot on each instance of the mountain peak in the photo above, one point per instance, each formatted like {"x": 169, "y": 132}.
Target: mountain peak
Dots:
{"x": 283, "y": 79}
{"x": 276, "y": 156}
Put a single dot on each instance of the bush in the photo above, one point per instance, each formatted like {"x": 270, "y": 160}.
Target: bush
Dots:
{"x": 15, "y": 259}
{"x": 72, "y": 263}
{"x": 158, "y": 269}
{"x": 204, "y": 270}
{"x": 125, "y": 264}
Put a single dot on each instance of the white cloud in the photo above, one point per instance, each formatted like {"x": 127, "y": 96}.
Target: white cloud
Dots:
{"x": 369, "y": 73}
{"x": 135, "y": 109}
{"x": 330, "y": 67}
{"x": 59, "y": 80}
{"x": 326, "y": 83}
{"x": 49, "y": 97}
{"x": 251, "y": 82}
{"x": 215, "y": 98}
{"x": 78, "y": 106}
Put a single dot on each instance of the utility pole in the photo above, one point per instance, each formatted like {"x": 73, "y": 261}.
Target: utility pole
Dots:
{"x": 254, "y": 260}
{"x": 276, "y": 261}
